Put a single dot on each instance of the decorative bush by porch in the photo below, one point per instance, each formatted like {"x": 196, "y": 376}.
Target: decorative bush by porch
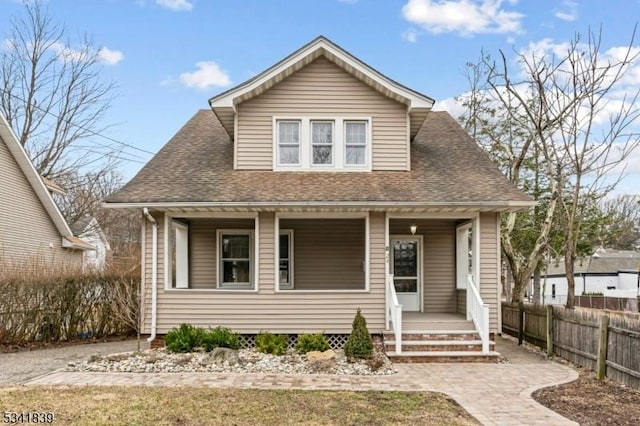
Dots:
{"x": 270, "y": 343}
{"x": 360, "y": 343}
{"x": 312, "y": 342}
{"x": 221, "y": 337}
{"x": 186, "y": 338}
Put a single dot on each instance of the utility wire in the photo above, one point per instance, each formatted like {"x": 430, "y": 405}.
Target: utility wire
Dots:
{"x": 93, "y": 133}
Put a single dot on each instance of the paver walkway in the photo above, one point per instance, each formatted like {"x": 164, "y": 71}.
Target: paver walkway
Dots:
{"x": 496, "y": 394}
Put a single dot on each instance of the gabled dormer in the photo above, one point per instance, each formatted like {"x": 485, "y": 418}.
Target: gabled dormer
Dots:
{"x": 321, "y": 109}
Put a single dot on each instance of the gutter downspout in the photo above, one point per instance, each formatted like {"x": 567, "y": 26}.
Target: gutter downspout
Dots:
{"x": 154, "y": 274}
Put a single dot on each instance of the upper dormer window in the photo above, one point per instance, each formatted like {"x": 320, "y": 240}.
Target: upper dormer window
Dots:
{"x": 288, "y": 137}
{"x": 355, "y": 139}
{"x": 322, "y": 143}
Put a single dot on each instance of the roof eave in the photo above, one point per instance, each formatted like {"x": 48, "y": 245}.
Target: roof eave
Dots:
{"x": 496, "y": 206}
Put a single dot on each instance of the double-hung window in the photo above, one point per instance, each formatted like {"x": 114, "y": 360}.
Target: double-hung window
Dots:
{"x": 321, "y": 143}
{"x": 288, "y": 137}
{"x": 355, "y": 139}
{"x": 235, "y": 260}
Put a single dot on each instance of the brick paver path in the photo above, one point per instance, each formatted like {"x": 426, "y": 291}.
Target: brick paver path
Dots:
{"x": 496, "y": 394}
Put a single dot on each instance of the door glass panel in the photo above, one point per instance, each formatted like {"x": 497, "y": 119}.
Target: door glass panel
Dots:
{"x": 405, "y": 266}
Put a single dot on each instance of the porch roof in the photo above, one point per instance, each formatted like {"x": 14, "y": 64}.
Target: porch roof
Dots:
{"x": 194, "y": 169}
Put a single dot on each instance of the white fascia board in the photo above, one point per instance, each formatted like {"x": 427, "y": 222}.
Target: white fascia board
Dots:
{"x": 28, "y": 169}
{"x": 226, "y": 99}
{"x": 504, "y": 205}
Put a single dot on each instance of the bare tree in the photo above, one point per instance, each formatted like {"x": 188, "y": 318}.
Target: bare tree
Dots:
{"x": 552, "y": 125}
{"x": 53, "y": 95}
{"x": 620, "y": 225}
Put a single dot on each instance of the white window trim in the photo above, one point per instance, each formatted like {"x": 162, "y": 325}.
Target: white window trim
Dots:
{"x": 276, "y": 136}
{"x": 323, "y": 215}
{"x": 339, "y": 145}
{"x": 235, "y": 286}
{"x": 288, "y": 233}
{"x": 168, "y": 216}
{"x": 367, "y": 145}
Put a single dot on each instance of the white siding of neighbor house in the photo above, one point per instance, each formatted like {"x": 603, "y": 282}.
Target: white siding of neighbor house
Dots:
{"x": 28, "y": 235}
{"x": 322, "y": 89}
{"x": 281, "y": 312}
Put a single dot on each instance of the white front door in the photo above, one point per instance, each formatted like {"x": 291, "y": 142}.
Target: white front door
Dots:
{"x": 405, "y": 268}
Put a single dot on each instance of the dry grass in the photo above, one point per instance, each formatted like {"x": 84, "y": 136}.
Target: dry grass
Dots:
{"x": 204, "y": 406}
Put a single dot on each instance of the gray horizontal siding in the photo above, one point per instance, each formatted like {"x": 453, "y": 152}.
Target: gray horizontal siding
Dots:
{"x": 328, "y": 253}
{"x": 28, "y": 235}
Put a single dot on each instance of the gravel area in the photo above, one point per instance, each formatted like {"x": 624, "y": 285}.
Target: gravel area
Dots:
{"x": 19, "y": 367}
{"x": 249, "y": 361}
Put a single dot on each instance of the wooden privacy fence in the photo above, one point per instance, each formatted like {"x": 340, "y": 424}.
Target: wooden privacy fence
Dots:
{"x": 604, "y": 341}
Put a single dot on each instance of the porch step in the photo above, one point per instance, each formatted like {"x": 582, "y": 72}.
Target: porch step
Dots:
{"x": 434, "y": 335}
{"x": 443, "y": 356}
{"x": 437, "y": 345}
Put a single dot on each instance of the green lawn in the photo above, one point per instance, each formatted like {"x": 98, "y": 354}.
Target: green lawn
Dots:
{"x": 202, "y": 406}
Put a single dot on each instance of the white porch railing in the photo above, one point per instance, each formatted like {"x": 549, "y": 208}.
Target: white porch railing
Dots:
{"x": 479, "y": 313}
{"x": 394, "y": 309}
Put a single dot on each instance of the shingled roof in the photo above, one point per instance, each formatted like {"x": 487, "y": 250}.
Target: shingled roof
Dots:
{"x": 196, "y": 166}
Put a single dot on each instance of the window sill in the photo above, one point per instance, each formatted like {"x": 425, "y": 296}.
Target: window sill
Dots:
{"x": 294, "y": 291}
{"x": 210, "y": 290}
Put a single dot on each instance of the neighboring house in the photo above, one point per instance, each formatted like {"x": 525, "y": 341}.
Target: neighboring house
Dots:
{"x": 90, "y": 231}
{"x": 32, "y": 229}
{"x": 318, "y": 187}
{"x": 610, "y": 272}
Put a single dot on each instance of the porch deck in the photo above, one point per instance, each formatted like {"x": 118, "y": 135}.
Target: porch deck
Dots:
{"x": 421, "y": 321}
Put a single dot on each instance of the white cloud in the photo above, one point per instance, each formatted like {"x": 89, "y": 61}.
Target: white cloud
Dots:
{"x": 465, "y": 17}
{"x": 67, "y": 53}
{"x": 207, "y": 75}
{"x": 110, "y": 57}
{"x": 410, "y": 35}
{"x": 176, "y": 5}
{"x": 568, "y": 11}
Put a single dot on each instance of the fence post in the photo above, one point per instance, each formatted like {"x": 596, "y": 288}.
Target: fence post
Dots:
{"x": 520, "y": 322}
{"x": 603, "y": 335}
{"x": 549, "y": 330}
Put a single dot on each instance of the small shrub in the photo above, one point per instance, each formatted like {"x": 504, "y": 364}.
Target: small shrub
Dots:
{"x": 312, "y": 342}
{"x": 185, "y": 338}
{"x": 270, "y": 343}
{"x": 221, "y": 337}
{"x": 359, "y": 344}
{"x": 592, "y": 293}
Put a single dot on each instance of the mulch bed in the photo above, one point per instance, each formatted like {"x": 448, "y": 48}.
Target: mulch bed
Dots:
{"x": 589, "y": 401}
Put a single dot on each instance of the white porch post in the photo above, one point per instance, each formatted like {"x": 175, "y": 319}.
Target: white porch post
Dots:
{"x": 386, "y": 269}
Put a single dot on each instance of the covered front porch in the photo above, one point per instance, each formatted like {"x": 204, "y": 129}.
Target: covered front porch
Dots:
{"x": 434, "y": 269}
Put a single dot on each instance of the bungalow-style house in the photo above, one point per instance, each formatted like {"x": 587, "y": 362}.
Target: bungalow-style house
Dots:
{"x": 318, "y": 187}
{"x": 32, "y": 229}
{"x": 88, "y": 228}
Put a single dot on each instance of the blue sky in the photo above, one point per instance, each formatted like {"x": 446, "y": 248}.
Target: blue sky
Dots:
{"x": 168, "y": 57}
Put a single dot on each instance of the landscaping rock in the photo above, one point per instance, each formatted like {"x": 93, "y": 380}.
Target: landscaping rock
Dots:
{"x": 320, "y": 356}
{"x": 248, "y": 361}
{"x": 224, "y": 355}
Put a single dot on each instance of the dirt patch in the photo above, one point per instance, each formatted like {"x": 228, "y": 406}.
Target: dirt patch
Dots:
{"x": 589, "y": 401}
